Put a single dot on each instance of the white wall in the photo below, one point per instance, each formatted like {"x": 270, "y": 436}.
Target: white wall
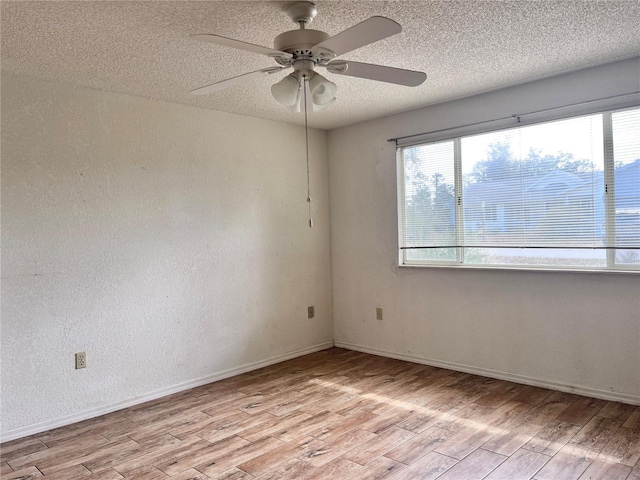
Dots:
{"x": 567, "y": 330}
{"x": 168, "y": 242}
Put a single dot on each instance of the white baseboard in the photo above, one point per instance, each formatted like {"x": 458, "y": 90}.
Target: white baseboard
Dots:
{"x": 487, "y": 372}
{"x": 163, "y": 392}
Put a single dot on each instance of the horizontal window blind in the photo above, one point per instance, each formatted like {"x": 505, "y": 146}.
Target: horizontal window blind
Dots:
{"x": 538, "y": 195}
{"x": 428, "y": 212}
{"x": 626, "y": 152}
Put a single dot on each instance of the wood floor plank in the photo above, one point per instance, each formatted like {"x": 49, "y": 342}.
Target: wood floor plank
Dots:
{"x": 532, "y": 395}
{"x": 552, "y": 438}
{"x": 456, "y": 419}
{"x": 623, "y": 447}
{"x": 20, "y": 448}
{"x": 351, "y": 421}
{"x": 197, "y": 456}
{"x": 476, "y": 466}
{"x": 160, "y": 441}
{"x": 232, "y": 425}
{"x": 383, "y": 442}
{"x": 72, "y": 431}
{"x": 233, "y": 474}
{"x": 617, "y": 411}
{"x": 153, "y": 456}
{"x": 239, "y": 456}
{"x": 634, "y": 420}
{"x": 568, "y": 464}
{"x": 75, "y": 472}
{"x": 418, "y": 446}
{"x": 466, "y": 441}
{"x": 60, "y": 451}
{"x": 387, "y": 420}
{"x": 23, "y": 474}
{"x": 447, "y": 399}
{"x": 601, "y": 469}
{"x": 307, "y": 447}
{"x": 87, "y": 437}
{"x": 482, "y": 428}
{"x": 194, "y": 422}
{"x": 339, "y": 414}
{"x": 419, "y": 421}
{"x": 338, "y": 468}
{"x": 190, "y": 474}
{"x": 522, "y": 465}
{"x": 504, "y": 392}
{"x": 105, "y": 475}
{"x": 351, "y": 439}
{"x": 273, "y": 426}
{"x": 635, "y": 473}
{"x": 508, "y": 415}
{"x": 326, "y": 402}
{"x": 510, "y": 440}
{"x": 111, "y": 457}
{"x": 5, "y": 469}
{"x": 61, "y": 462}
{"x": 287, "y": 402}
{"x": 356, "y": 403}
{"x": 112, "y": 431}
{"x": 549, "y": 408}
{"x": 308, "y": 425}
{"x": 338, "y": 446}
{"x": 596, "y": 433}
{"x": 380, "y": 469}
{"x": 163, "y": 425}
{"x": 146, "y": 473}
{"x": 582, "y": 410}
{"x": 293, "y": 469}
{"x": 428, "y": 467}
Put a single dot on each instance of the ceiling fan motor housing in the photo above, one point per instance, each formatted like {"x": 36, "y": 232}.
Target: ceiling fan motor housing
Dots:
{"x": 302, "y": 40}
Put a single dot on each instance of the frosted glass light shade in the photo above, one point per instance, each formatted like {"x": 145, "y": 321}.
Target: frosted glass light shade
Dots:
{"x": 287, "y": 91}
{"x": 320, "y": 107}
{"x": 323, "y": 91}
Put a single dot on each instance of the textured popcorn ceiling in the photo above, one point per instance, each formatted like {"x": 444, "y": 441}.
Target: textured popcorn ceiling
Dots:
{"x": 465, "y": 47}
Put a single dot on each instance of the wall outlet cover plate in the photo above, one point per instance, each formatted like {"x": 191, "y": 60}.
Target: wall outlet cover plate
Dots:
{"x": 81, "y": 360}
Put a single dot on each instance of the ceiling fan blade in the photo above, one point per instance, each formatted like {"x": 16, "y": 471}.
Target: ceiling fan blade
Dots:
{"x": 230, "y": 82}
{"x": 250, "y": 47}
{"x": 399, "y": 76}
{"x": 364, "y": 33}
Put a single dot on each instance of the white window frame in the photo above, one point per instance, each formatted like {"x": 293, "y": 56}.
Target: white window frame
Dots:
{"x": 609, "y": 180}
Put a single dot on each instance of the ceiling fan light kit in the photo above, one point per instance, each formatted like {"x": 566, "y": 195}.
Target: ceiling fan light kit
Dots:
{"x": 305, "y": 49}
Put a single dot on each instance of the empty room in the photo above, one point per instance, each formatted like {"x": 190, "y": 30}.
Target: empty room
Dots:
{"x": 320, "y": 240}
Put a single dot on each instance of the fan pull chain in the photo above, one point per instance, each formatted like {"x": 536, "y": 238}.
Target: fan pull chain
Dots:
{"x": 306, "y": 139}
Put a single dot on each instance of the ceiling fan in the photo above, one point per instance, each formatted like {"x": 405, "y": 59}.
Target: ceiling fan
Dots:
{"x": 304, "y": 50}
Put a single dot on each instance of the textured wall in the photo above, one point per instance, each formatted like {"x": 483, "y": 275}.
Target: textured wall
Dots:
{"x": 169, "y": 242}
{"x": 564, "y": 329}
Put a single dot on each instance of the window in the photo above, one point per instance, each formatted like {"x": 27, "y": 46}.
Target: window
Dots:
{"x": 562, "y": 194}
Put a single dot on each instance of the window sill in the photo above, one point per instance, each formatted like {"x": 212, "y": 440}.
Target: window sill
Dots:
{"x": 516, "y": 268}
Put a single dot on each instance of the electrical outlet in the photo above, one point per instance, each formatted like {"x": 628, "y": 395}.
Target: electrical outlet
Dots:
{"x": 81, "y": 360}
{"x": 378, "y": 313}
{"x": 311, "y": 312}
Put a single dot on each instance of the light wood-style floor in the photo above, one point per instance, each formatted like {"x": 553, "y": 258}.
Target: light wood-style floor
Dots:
{"x": 344, "y": 415}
